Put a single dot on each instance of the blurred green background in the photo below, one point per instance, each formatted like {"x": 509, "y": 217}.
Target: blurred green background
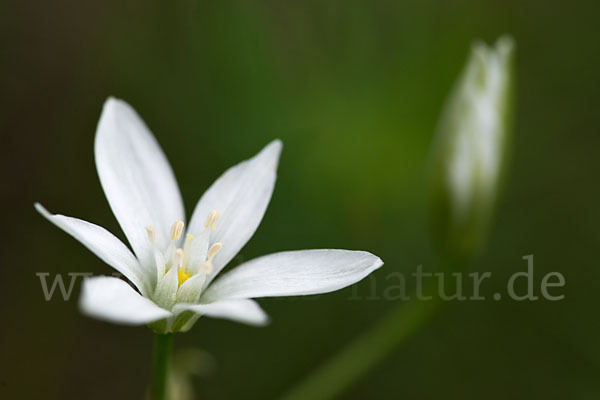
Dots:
{"x": 354, "y": 90}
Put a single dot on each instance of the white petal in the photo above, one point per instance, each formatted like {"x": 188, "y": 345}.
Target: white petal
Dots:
{"x": 136, "y": 177}
{"x": 198, "y": 252}
{"x": 294, "y": 273}
{"x": 190, "y": 290}
{"x": 239, "y": 310}
{"x": 159, "y": 260}
{"x": 166, "y": 289}
{"x": 241, "y": 196}
{"x": 103, "y": 244}
{"x": 112, "y": 299}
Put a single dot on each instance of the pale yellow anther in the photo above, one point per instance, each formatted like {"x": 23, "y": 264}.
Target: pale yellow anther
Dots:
{"x": 214, "y": 249}
{"x": 151, "y": 234}
{"x": 176, "y": 230}
{"x": 211, "y": 220}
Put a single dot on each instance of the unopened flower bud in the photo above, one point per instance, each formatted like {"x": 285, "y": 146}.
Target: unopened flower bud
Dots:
{"x": 470, "y": 150}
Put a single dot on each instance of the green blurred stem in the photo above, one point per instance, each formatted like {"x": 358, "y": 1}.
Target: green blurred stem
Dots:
{"x": 160, "y": 365}
{"x": 332, "y": 378}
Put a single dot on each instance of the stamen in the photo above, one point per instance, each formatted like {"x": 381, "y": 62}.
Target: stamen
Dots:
{"x": 211, "y": 220}
{"x": 214, "y": 249}
{"x": 208, "y": 267}
{"x": 179, "y": 257}
{"x": 186, "y": 248}
{"x": 176, "y": 230}
{"x": 188, "y": 242}
{"x": 151, "y": 234}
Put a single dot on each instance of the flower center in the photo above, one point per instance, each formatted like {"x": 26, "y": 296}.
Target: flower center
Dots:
{"x": 182, "y": 276}
{"x": 195, "y": 257}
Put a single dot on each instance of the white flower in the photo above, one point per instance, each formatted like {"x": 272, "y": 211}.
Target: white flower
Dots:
{"x": 174, "y": 270}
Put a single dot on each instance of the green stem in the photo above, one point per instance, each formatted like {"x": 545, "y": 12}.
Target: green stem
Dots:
{"x": 160, "y": 365}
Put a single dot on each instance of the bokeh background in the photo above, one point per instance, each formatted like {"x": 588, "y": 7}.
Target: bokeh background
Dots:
{"x": 354, "y": 90}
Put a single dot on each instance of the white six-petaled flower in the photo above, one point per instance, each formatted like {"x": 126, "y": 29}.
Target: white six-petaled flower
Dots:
{"x": 173, "y": 269}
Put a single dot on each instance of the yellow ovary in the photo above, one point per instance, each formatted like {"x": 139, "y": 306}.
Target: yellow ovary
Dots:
{"x": 182, "y": 276}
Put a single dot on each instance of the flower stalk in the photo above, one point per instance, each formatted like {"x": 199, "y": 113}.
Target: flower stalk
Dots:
{"x": 160, "y": 365}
